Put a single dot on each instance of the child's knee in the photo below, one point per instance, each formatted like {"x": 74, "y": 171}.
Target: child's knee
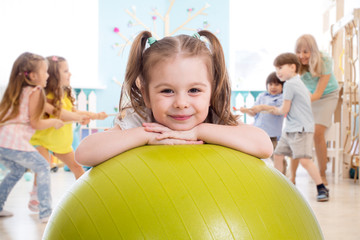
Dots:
{"x": 305, "y": 162}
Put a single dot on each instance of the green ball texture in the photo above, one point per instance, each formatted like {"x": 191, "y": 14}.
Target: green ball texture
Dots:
{"x": 183, "y": 192}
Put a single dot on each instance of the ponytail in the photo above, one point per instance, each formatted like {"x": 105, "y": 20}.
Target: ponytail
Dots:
{"x": 221, "y": 88}
{"x": 131, "y": 90}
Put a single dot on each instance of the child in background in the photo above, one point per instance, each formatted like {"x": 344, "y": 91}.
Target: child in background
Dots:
{"x": 179, "y": 93}
{"x": 60, "y": 104}
{"x": 21, "y": 109}
{"x": 297, "y": 137}
{"x": 270, "y": 123}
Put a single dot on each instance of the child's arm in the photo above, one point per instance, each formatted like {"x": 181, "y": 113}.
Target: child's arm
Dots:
{"x": 94, "y": 116}
{"x": 67, "y": 116}
{"x": 283, "y": 110}
{"x": 248, "y": 111}
{"x": 245, "y": 138}
{"x": 37, "y": 123}
{"x": 97, "y": 148}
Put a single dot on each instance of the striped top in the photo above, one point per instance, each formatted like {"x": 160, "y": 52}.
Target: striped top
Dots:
{"x": 17, "y": 136}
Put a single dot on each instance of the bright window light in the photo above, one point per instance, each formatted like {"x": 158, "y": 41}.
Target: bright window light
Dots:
{"x": 66, "y": 28}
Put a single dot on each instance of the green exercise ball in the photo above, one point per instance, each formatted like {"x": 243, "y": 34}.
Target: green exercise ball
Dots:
{"x": 183, "y": 192}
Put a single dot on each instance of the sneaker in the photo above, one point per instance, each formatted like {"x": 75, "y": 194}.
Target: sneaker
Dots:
{"x": 323, "y": 195}
{"x": 5, "y": 213}
{"x": 33, "y": 204}
{"x": 45, "y": 219}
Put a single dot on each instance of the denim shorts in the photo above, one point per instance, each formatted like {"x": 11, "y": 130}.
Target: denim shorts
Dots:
{"x": 295, "y": 145}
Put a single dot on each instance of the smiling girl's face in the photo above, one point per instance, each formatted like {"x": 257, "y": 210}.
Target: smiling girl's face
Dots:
{"x": 179, "y": 92}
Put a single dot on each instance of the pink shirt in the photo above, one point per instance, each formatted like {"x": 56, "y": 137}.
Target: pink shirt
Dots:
{"x": 17, "y": 136}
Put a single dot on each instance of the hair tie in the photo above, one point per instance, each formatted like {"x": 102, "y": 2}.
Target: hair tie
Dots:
{"x": 54, "y": 58}
{"x": 196, "y": 35}
{"x": 151, "y": 40}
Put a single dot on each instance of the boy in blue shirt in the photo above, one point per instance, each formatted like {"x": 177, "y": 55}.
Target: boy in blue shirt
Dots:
{"x": 297, "y": 137}
{"x": 270, "y": 123}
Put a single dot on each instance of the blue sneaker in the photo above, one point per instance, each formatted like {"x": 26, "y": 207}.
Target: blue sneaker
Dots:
{"x": 323, "y": 195}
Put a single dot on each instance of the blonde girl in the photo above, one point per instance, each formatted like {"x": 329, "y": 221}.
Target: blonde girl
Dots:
{"x": 179, "y": 93}
{"x": 316, "y": 72}
{"x": 60, "y": 104}
{"x": 21, "y": 109}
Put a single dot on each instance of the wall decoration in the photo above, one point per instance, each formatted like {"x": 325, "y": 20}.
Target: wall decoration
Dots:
{"x": 157, "y": 16}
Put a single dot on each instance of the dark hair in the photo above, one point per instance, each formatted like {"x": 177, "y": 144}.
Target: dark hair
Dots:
{"x": 272, "y": 78}
{"x": 287, "y": 58}
{"x": 142, "y": 60}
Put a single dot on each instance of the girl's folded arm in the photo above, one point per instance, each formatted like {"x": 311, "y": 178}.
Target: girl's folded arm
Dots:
{"x": 97, "y": 148}
{"x": 245, "y": 138}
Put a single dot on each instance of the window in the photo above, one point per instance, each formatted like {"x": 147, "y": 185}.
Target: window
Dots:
{"x": 261, "y": 29}
{"x": 51, "y": 27}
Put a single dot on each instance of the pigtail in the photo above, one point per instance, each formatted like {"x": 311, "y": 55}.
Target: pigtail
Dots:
{"x": 131, "y": 90}
{"x": 221, "y": 95}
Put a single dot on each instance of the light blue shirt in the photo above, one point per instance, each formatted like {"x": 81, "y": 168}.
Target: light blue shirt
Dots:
{"x": 270, "y": 123}
{"x": 300, "y": 117}
{"x": 311, "y": 82}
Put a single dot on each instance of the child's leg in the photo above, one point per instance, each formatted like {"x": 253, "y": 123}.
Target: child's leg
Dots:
{"x": 311, "y": 168}
{"x": 294, "y": 163}
{"x": 45, "y": 153}
{"x": 41, "y": 167}
{"x": 34, "y": 201}
{"x": 69, "y": 160}
{"x": 323, "y": 192}
{"x": 279, "y": 162}
{"x": 320, "y": 148}
{"x": 15, "y": 174}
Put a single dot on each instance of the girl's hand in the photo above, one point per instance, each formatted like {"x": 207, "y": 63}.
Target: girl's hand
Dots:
{"x": 57, "y": 123}
{"x": 101, "y": 115}
{"x": 155, "y": 127}
{"x": 178, "y": 137}
{"x": 84, "y": 119}
{"x": 244, "y": 110}
{"x": 156, "y": 140}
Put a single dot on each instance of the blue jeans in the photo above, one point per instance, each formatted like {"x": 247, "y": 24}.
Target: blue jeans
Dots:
{"x": 17, "y": 162}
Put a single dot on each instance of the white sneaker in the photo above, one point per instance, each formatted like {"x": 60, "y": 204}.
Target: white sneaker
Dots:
{"x": 5, "y": 213}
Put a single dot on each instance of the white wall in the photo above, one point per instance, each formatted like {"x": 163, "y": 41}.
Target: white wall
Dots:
{"x": 262, "y": 29}
{"x": 68, "y": 28}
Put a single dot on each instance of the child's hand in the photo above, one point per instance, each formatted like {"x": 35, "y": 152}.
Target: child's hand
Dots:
{"x": 155, "y": 127}
{"x": 173, "y": 137}
{"x": 101, "y": 115}
{"x": 57, "y": 123}
{"x": 243, "y": 110}
{"x": 84, "y": 119}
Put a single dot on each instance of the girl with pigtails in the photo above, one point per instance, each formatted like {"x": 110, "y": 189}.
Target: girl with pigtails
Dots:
{"x": 21, "y": 109}
{"x": 176, "y": 91}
